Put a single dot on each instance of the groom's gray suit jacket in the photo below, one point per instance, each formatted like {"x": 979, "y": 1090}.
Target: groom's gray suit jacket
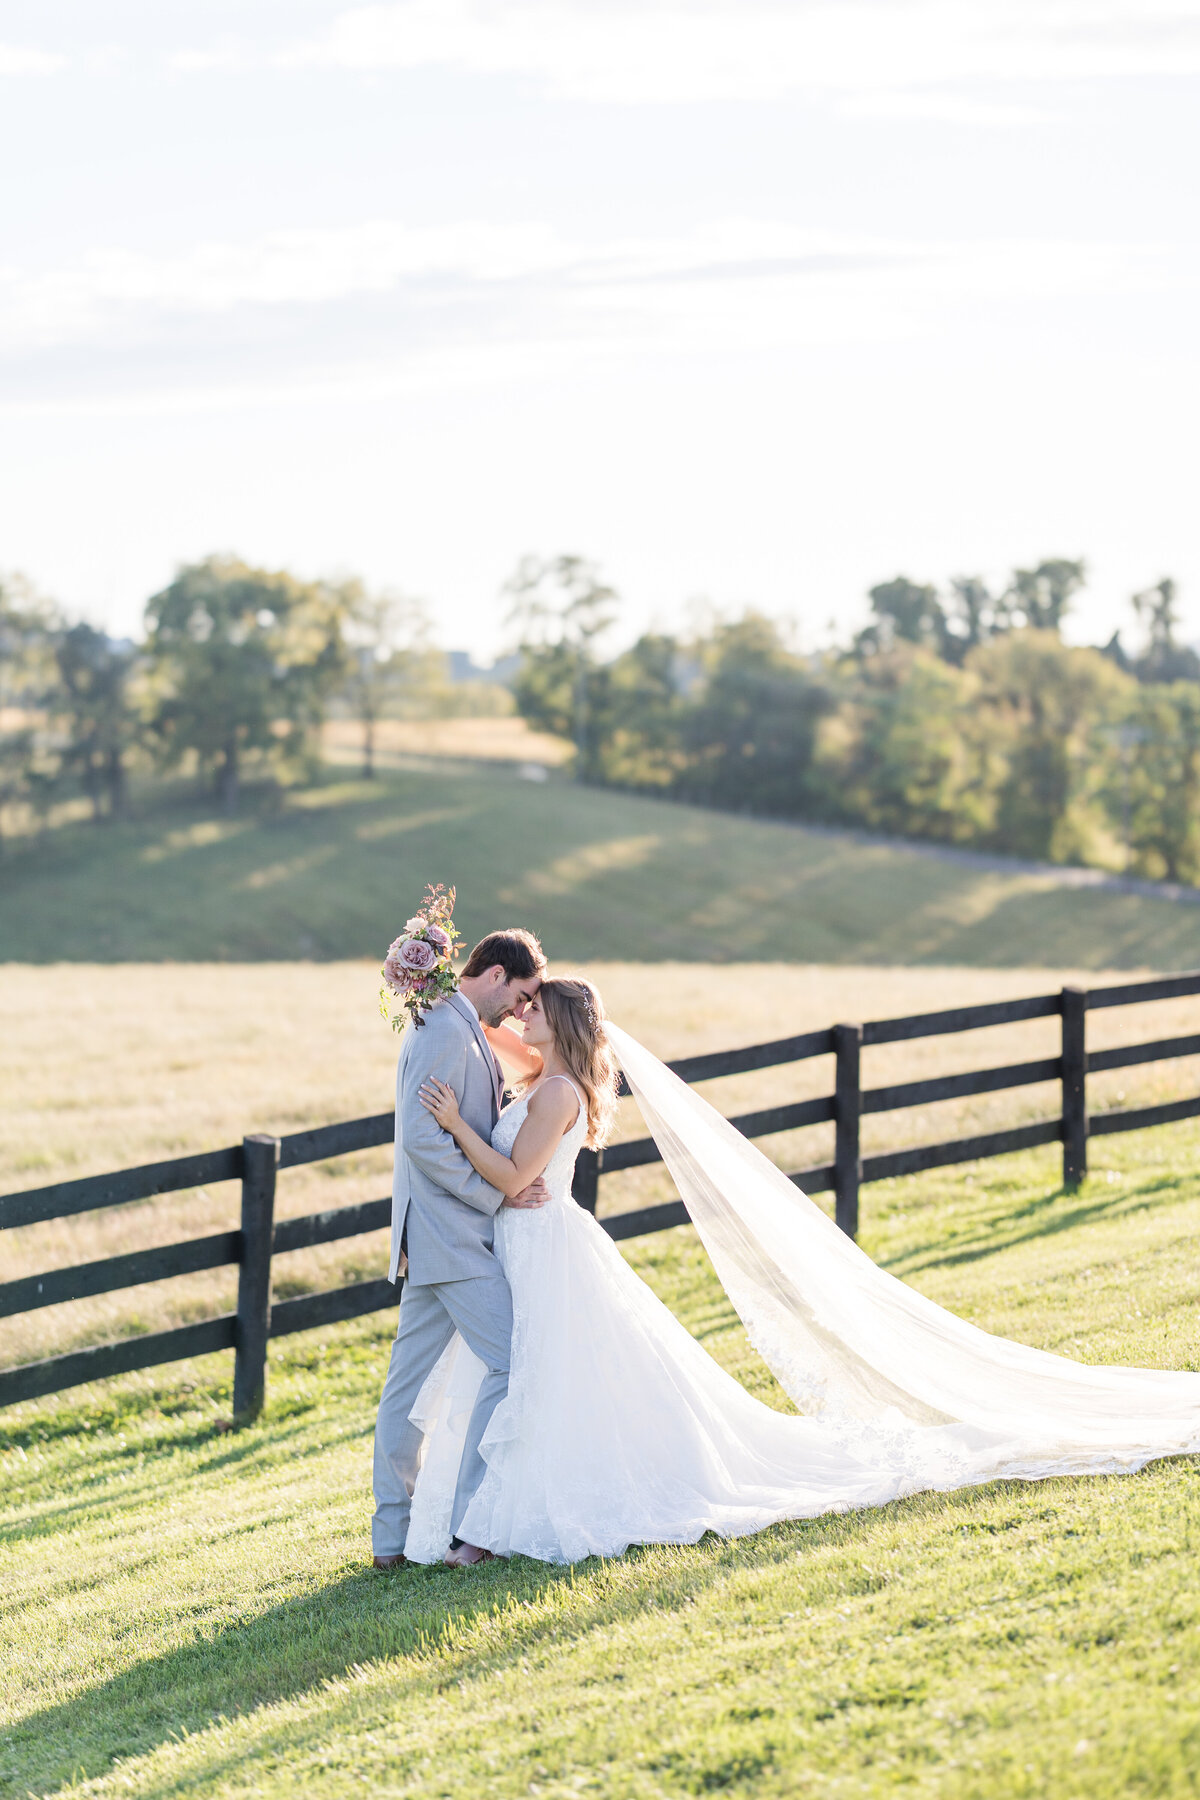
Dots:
{"x": 446, "y": 1206}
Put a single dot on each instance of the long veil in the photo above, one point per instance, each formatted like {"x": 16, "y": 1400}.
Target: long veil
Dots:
{"x": 879, "y": 1363}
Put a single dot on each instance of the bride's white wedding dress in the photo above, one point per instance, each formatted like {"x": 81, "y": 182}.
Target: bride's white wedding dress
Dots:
{"x": 619, "y": 1428}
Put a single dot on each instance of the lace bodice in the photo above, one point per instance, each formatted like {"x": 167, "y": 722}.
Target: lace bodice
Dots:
{"x": 561, "y": 1167}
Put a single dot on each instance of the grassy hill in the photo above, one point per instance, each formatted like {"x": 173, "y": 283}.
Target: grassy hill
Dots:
{"x": 189, "y": 1613}
{"x": 332, "y": 871}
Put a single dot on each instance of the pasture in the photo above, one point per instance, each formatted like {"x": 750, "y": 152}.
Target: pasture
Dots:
{"x": 108, "y": 1067}
{"x": 187, "y": 1611}
{"x": 329, "y": 872}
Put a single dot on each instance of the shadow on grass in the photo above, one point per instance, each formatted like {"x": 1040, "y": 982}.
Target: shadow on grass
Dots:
{"x": 298, "y": 1438}
{"x": 317, "y": 1638}
{"x": 1004, "y": 1233}
{"x": 307, "y": 1641}
{"x": 312, "y": 874}
{"x": 475, "y": 1622}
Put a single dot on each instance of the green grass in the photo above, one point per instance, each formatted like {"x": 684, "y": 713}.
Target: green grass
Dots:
{"x": 186, "y": 1612}
{"x": 599, "y": 875}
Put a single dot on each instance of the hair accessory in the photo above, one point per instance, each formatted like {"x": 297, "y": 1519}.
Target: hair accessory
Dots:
{"x": 419, "y": 967}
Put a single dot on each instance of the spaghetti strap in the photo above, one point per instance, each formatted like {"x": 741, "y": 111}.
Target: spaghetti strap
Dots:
{"x": 577, "y": 1094}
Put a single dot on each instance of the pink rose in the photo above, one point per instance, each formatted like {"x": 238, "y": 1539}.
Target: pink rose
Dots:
{"x": 437, "y": 936}
{"x": 395, "y": 975}
{"x": 417, "y": 955}
{"x": 415, "y": 924}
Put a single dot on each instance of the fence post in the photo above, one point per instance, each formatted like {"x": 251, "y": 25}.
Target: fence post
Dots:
{"x": 260, "y": 1159}
{"x": 847, "y": 1163}
{"x": 1074, "y": 1085}
{"x": 586, "y": 1185}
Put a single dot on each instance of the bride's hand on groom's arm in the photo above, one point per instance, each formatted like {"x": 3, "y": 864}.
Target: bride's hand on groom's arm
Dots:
{"x": 442, "y": 1102}
{"x": 550, "y": 1112}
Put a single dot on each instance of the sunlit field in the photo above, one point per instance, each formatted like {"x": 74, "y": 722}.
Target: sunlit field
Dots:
{"x": 505, "y": 738}
{"x": 188, "y": 1610}
{"x": 111, "y": 1067}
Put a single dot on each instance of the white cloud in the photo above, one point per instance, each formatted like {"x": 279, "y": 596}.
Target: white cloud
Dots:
{"x": 382, "y": 305}
{"x": 673, "y": 274}
{"x": 22, "y": 59}
{"x": 76, "y": 303}
{"x": 688, "y": 50}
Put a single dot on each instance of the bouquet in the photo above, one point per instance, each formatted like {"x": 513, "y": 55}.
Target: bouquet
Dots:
{"x": 418, "y": 969}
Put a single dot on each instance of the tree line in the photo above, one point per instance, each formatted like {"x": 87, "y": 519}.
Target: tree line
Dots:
{"x": 235, "y": 671}
{"x": 957, "y": 714}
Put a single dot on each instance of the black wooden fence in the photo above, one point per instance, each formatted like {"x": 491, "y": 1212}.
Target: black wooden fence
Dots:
{"x": 257, "y": 1159}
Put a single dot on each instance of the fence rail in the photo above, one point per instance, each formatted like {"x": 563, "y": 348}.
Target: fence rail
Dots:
{"x": 256, "y": 1161}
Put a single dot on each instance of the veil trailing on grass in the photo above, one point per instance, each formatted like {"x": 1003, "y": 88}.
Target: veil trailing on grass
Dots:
{"x": 887, "y": 1369}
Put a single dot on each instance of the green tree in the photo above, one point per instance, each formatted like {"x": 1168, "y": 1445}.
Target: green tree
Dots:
{"x": 560, "y": 608}
{"x": 910, "y": 612}
{"x": 974, "y": 616}
{"x": 914, "y": 766}
{"x": 974, "y": 610}
{"x": 751, "y": 732}
{"x": 1164, "y": 657}
{"x": 640, "y": 717}
{"x": 546, "y": 688}
{"x": 30, "y": 745}
{"x": 906, "y": 613}
{"x": 1041, "y": 597}
{"x": 388, "y": 648}
{"x": 246, "y": 659}
{"x": 102, "y": 722}
{"x": 1043, "y": 706}
{"x": 1163, "y": 797}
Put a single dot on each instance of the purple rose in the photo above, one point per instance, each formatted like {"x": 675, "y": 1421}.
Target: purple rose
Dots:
{"x": 397, "y": 978}
{"x": 437, "y": 936}
{"x": 417, "y": 955}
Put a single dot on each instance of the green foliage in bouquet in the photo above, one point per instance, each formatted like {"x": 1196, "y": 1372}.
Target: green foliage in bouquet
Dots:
{"x": 418, "y": 969}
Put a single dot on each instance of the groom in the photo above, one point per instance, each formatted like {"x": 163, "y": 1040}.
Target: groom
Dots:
{"x": 442, "y": 1223}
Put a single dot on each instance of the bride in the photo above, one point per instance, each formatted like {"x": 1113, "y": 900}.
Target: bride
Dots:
{"x": 618, "y": 1428}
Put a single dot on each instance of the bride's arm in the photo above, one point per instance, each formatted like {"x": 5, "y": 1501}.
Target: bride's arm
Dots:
{"x": 552, "y": 1110}
{"x": 518, "y": 1057}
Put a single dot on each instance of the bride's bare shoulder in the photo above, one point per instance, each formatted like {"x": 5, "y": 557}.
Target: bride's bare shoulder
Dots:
{"x": 555, "y": 1100}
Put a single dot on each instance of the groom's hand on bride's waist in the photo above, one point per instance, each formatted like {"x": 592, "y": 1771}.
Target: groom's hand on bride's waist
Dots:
{"x": 536, "y": 1194}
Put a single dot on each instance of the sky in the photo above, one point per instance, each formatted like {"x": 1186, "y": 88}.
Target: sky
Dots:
{"x": 755, "y": 303}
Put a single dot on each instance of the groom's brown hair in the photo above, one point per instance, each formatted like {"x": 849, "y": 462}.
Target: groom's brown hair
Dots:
{"x": 516, "y": 951}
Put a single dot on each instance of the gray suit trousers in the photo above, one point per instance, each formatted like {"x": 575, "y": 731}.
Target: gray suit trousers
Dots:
{"x": 479, "y": 1307}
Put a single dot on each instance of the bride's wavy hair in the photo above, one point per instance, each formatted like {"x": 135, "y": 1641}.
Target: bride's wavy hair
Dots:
{"x": 575, "y": 1014}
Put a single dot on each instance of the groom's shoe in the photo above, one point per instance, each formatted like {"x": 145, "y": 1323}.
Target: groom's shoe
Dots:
{"x": 389, "y": 1562}
{"x": 465, "y": 1556}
